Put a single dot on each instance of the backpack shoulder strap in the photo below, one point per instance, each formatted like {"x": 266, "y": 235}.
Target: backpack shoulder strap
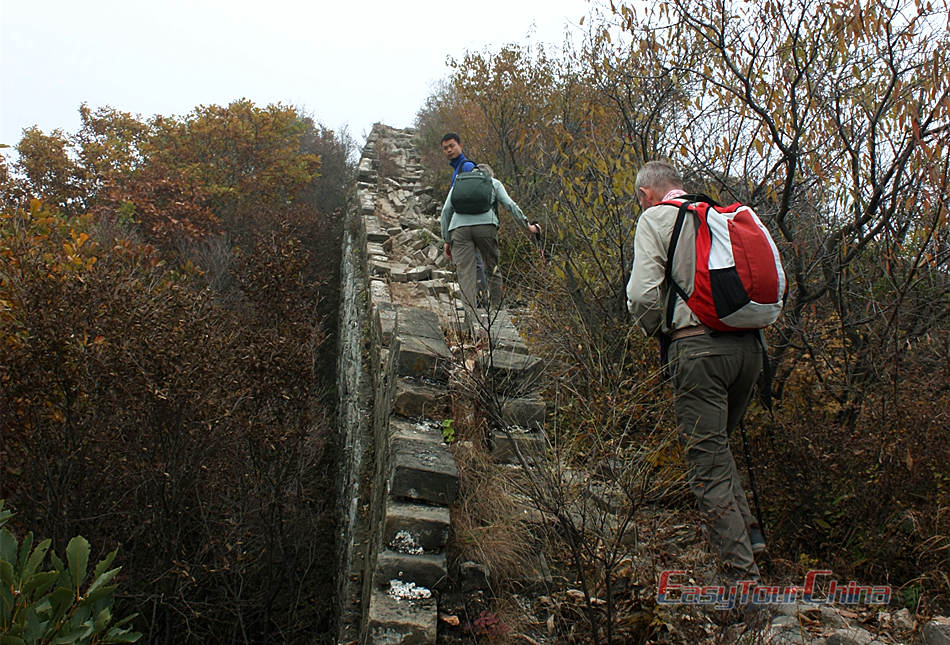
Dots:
{"x": 674, "y": 288}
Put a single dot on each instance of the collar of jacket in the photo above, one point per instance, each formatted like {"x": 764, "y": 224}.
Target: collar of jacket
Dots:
{"x": 457, "y": 165}
{"x": 458, "y": 161}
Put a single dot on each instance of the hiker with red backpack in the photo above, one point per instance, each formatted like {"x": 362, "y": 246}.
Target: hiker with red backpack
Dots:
{"x": 705, "y": 280}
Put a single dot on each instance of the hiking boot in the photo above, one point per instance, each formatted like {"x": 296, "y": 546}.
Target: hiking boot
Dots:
{"x": 756, "y": 540}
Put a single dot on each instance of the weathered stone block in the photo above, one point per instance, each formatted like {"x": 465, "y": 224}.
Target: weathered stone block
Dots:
{"x": 434, "y": 287}
{"x": 420, "y": 322}
{"x": 850, "y": 636}
{"x": 422, "y": 470}
{"x": 392, "y": 620}
{"x": 509, "y": 371}
{"x": 419, "y": 356}
{"x": 366, "y": 171}
{"x": 384, "y": 318}
{"x": 399, "y": 273}
{"x": 426, "y": 570}
{"x": 417, "y": 430}
{"x": 474, "y": 576}
{"x": 367, "y": 203}
{"x": 427, "y": 526}
{"x": 379, "y": 291}
{"x": 413, "y": 399}
{"x": 526, "y": 412}
{"x": 417, "y": 274}
{"x": 376, "y": 235}
{"x": 935, "y": 633}
{"x": 531, "y": 444}
{"x": 505, "y": 336}
{"x": 379, "y": 267}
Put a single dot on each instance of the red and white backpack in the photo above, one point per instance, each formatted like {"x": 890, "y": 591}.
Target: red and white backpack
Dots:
{"x": 739, "y": 282}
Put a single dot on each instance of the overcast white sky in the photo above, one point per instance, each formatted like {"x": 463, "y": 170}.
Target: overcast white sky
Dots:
{"x": 350, "y": 62}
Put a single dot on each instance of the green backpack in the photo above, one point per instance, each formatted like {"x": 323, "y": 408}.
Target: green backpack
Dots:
{"x": 473, "y": 193}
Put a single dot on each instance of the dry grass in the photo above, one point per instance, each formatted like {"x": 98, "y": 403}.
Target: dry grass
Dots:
{"x": 488, "y": 523}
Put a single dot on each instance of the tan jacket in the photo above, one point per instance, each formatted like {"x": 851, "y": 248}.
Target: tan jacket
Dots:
{"x": 646, "y": 290}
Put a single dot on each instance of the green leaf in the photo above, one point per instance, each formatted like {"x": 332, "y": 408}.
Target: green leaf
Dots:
{"x": 102, "y": 620}
{"x": 6, "y": 573}
{"x": 104, "y": 564}
{"x": 121, "y": 636}
{"x": 94, "y": 596}
{"x": 77, "y": 553}
{"x": 26, "y": 547}
{"x": 11, "y": 640}
{"x": 102, "y": 579}
{"x": 8, "y": 545}
{"x": 4, "y": 515}
{"x": 38, "y": 581}
{"x": 35, "y": 627}
{"x": 70, "y": 635}
{"x": 35, "y": 560}
{"x": 61, "y": 599}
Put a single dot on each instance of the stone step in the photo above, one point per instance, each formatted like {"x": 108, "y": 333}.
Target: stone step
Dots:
{"x": 393, "y": 620}
{"x": 504, "y": 448}
{"x": 422, "y": 469}
{"x": 427, "y": 570}
{"x": 423, "y": 357}
{"x": 411, "y": 526}
{"x": 508, "y": 370}
{"x": 420, "y": 322}
{"x": 415, "y": 400}
{"x": 524, "y": 412}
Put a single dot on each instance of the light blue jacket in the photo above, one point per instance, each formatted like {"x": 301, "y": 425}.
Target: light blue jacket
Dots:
{"x": 452, "y": 220}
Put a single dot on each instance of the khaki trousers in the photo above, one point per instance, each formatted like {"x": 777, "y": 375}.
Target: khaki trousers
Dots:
{"x": 465, "y": 240}
{"x": 713, "y": 376}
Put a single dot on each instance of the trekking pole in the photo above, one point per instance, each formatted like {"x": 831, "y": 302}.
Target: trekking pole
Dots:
{"x": 755, "y": 492}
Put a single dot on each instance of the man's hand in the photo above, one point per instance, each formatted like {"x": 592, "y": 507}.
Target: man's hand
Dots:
{"x": 448, "y": 250}
{"x": 534, "y": 229}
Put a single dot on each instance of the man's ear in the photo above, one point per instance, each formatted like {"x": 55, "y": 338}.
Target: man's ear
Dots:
{"x": 643, "y": 197}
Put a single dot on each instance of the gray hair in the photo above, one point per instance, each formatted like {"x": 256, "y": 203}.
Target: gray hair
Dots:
{"x": 659, "y": 175}
{"x": 485, "y": 168}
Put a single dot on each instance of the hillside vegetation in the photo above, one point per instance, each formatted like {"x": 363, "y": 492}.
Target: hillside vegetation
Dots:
{"x": 168, "y": 290}
{"x": 830, "y": 119}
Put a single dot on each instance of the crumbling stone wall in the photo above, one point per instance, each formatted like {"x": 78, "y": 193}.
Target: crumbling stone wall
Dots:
{"x": 399, "y": 478}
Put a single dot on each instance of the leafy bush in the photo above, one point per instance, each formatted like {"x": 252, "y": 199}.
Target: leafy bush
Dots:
{"x": 163, "y": 380}
{"x": 62, "y": 604}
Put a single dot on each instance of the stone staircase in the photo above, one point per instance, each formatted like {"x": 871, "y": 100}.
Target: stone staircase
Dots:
{"x": 404, "y": 315}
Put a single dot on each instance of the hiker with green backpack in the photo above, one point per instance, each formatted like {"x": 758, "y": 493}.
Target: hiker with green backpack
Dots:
{"x": 470, "y": 222}
{"x": 452, "y": 149}
{"x": 705, "y": 280}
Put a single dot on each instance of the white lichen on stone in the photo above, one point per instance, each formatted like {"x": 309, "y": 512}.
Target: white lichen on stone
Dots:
{"x": 408, "y": 591}
{"x": 405, "y": 543}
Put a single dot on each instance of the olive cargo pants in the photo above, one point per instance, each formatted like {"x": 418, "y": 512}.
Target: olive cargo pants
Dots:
{"x": 465, "y": 240}
{"x": 713, "y": 377}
